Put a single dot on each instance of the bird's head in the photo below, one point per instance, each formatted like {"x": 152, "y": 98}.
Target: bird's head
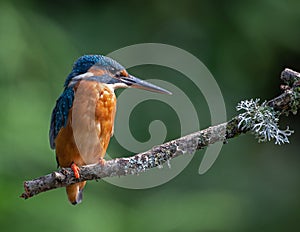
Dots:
{"x": 105, "y": 70}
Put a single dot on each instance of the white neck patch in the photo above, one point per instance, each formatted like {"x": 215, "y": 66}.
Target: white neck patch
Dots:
{"x": 80, "y": 77}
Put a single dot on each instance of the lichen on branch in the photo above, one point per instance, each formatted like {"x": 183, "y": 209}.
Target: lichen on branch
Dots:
{"x": 262, "y": 120}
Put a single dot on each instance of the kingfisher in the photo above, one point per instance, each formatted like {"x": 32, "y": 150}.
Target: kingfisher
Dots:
{"x": 82, "y": 120}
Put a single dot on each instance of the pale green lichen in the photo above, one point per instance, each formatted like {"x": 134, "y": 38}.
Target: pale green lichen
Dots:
{"x": 262, "y": 120}
{"x": 295, "y": 98}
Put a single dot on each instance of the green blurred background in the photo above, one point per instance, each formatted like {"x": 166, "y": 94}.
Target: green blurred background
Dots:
{"x": 245, "y": 44}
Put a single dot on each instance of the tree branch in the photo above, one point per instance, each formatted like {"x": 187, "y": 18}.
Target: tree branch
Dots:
{"x": 287, "y": 102}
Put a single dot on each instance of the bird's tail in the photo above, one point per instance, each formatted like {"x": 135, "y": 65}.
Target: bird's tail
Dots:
{"x": 74, "y": 192}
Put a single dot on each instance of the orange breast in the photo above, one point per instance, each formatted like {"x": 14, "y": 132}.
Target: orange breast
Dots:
{"x": 90, "y": 125}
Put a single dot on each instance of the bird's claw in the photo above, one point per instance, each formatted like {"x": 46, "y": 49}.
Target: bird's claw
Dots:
{"x": 76, "y": 170}
{"x": 102, "y": 161}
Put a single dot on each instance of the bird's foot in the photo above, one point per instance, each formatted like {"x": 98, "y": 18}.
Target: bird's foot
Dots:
{"x": 76, "y": 170}
{"x": 102, "y": 161}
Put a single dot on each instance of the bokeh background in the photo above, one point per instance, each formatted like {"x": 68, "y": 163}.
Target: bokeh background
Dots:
{"x": 245, "y": 44}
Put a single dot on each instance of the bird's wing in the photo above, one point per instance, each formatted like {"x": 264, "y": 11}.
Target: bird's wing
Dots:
{"x": 60, "y": 113}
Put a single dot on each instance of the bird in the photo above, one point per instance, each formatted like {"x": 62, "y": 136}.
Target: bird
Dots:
{"x": 82, "y": 120}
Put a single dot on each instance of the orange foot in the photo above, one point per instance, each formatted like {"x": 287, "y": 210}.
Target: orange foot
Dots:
{"x": 102, "y": 161}
{"x": 76, "y": 170}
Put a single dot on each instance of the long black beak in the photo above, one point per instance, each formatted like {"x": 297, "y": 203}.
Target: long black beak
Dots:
{"x": 135, "y": 82}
